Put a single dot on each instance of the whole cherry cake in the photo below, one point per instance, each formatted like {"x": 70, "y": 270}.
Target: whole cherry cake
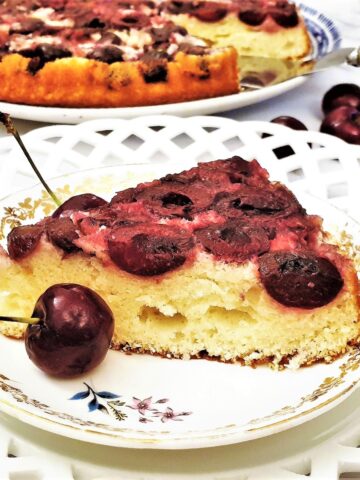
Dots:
{"x": 73, "y": 53}
{"x": 215, "y": 261}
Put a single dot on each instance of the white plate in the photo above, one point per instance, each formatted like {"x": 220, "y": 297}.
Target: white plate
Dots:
{"x": 325, "y": 38}
{"x": 150, "y": 402}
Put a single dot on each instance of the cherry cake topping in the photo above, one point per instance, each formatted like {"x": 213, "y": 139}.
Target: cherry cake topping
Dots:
{"x": 226, "y": 208}
{"x": 277, "y": 201}
{"x": 149, "y": 250}
{"x": 301, "y": 280}
{"x": 210, "y": 12}
{"x": 62, "y": 232}
{"x": 23, "y": 240}
{"x": 233, "y": 241}
{"x": 83, "y": 202}
{"x": 255, "y": 12}
{"x": 284, "y": 14}
{"x": 252, "y": 12}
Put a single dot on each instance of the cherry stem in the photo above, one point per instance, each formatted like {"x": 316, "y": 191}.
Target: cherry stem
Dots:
{"x": 29, "y": 320}
{"x": 10, "y": 128}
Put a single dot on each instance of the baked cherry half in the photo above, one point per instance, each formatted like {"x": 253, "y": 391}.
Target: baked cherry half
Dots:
{"x": 284, "y": 13}
{"x": 254, "y": 202}
{"x": 74, "y": 332}
{"x": 61, "y": 232}
{"x": 82, "y": 202}
{"x": 233, "y": 241}
{"x": 23, "y": 240}
{"x": 210, "y": 12}
{"x": 301, "y": 280}
{"x": 149, "y": 250}
{"x": 252, "y": 12}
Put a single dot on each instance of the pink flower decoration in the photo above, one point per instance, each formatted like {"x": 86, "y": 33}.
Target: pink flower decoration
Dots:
{"x": 142, "y": 406}
{"x": 169, "y": 414}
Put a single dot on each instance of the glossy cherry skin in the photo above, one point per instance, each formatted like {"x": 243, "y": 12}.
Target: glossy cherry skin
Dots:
{"x": 343, "y": 122}
{"x": 290, "y": 122}
{"x": 83, "y": 202}
{"x": 294, "y": 124}
{"x": 74, "y": 331}
{"x": 343, "y": 94}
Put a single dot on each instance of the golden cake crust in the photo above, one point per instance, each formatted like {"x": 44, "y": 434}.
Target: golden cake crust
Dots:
{"x": 80, "y": 82}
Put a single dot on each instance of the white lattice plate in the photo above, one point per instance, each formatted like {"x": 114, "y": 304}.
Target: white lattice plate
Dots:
{"x": 325, "y": 38}
{"x": 151, "y": 402}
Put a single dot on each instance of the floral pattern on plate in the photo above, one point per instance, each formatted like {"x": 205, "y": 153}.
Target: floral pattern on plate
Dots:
{"x": 113, "y": 404}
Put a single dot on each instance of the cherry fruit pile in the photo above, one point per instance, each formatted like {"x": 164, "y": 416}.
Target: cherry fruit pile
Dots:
{"x": 73, "y": 333}
{"x": 341, "y": 106}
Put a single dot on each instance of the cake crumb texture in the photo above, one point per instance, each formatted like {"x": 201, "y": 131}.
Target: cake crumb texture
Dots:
{"x": 209, "y": 309}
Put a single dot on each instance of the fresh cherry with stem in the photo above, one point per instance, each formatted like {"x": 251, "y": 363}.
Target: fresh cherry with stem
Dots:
{"x": 69, "y": 332}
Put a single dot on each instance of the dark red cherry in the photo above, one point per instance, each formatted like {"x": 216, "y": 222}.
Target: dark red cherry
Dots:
{"x": 233, "y": 241}
{"x": 124, "y": 196}
{"x": 42, "y": 54}
{"x": 300, "y": 280}
{"x": 173, "y": 199}
{"x": 23, "y": 240}
{"x": 132, "y": 20}
{"x": 290, "y": 122}
{"x": 342, "y": 94}
{"x": 208, "y": 12}
{"x": 237, "y": 169}
{"x": 155, "y": 67}
{"x": 107, "y": 54}
{"x": 161, "y": 35}
{"x": 252, "y": 17}
{"x": 149, "y": 250}
{"x": 251, "y": 12}
{"x": 343, "y": 122}
{"x": 193, "y": 49}
{"x": 276, "y": 201}
{"x": 74, "y": 331}
{"x": 62, "y": 233}
{"x": 82, "y": 202}
{"x": 284, "y": 14}
{"x": 178, "y": 7}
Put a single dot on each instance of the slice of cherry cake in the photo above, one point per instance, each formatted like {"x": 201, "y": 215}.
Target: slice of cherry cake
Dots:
{"x": 216, "y": 261}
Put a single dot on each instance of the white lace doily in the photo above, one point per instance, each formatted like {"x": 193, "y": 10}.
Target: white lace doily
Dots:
{"x": 322, "y": 165}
